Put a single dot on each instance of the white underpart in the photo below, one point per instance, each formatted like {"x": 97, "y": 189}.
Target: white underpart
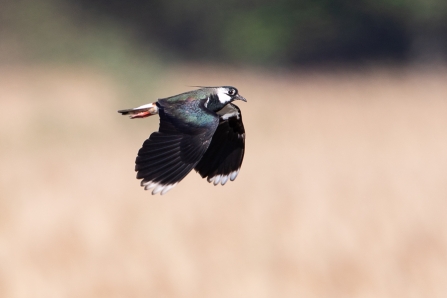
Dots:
{"x": 158, "y": 187}
{"x": 229, "y": 115}
{"x": 146, "y": 106}
{"x": 229, "y": 111}
{"x": 206, "y": 103}
{"x": 224, "y": 98}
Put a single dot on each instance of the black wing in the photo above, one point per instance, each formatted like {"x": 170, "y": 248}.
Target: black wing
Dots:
{"x": 224, "y": 156}
{"x": 171, "y": 153}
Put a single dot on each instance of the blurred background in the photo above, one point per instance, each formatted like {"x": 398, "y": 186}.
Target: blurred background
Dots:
{"x": 343, "y": 188}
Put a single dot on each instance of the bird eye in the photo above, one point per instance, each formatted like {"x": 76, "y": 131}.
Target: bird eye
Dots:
{"x": 231, "y": 92}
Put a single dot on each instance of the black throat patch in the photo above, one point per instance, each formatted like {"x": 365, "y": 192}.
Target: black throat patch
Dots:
{"x": 214, "y": 104}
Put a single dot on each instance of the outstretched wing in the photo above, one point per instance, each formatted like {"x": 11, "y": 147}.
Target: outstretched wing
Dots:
{"x": 224, "y": 156}
{"x": 172, "y": 152}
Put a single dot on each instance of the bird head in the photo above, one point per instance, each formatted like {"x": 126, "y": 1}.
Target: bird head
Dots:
{"x": 221, "y": 97}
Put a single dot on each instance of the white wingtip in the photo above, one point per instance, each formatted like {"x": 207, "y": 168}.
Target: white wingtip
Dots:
{"x": 157, "y": 187}
{"x": 149, "y": 185}
{"x": 217, "y": 179}
{"x": 167, "y": 188}
{"x": 233, "y": 174}
{"x": 224, "y": 180}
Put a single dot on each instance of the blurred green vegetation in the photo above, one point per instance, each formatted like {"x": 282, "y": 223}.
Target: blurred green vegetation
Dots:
{"x": 283, "y": 32}
{"x": 56, "y": 32}
{"x": 286, "y": 32}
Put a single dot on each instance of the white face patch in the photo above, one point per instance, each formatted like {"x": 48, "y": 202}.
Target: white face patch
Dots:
{"x": 224, "y": 98}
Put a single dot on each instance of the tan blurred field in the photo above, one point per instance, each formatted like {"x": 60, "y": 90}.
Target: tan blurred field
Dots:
{"x": 343, "y": 191}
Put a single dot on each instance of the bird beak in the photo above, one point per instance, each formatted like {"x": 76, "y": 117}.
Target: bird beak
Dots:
{"x": 240, "y": 97}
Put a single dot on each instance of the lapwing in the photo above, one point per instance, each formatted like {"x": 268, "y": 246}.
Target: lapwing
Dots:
{"x": 200, "y": 129}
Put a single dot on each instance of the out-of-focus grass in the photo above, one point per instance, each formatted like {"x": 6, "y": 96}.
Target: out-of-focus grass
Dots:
{"x": 342, "y": 192}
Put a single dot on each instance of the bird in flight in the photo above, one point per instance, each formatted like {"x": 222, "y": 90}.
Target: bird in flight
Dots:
{"x": 200, "y": 129}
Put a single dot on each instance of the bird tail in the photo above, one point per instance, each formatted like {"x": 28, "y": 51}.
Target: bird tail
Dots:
{"x": 141, "y": 111}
